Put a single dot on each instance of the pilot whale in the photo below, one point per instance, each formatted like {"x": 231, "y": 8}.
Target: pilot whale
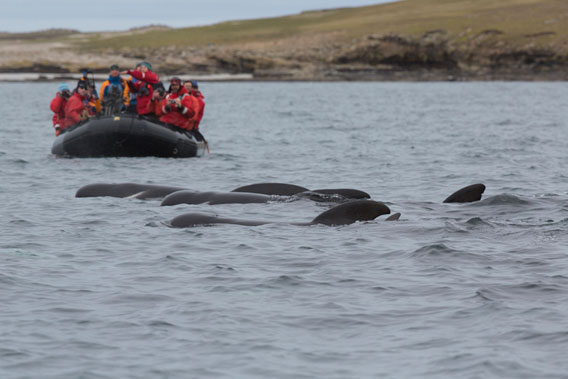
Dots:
{"x": 285, "y": 189}
{"x": 355, "y": 210}
{"x": 139, "y": 191}
{"x": 259, "y": 193}
{"x": 467, "y": 194}
{"x": 212, "y": 197}
{"x": 343, "y": 214}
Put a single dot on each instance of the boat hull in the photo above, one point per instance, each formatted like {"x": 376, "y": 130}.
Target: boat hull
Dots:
{"x": 127, "y": 136}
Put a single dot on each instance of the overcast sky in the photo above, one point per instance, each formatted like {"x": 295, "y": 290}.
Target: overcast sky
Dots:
{"x": 97, "y": 15}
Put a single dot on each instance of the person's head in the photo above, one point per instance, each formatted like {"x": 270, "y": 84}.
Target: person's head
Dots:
{"x": 63, "y": 87}
{"x": 114, "y": 70}
{"x": 63, "y": 90}
{"x": 91, "y": 89}
{"x": 82, "y": 87}
{"x": 160, "y": 93}
{"x": 187, "y": 85}
{"x": 145, "y": 66}
{"x": 175, "y": 84}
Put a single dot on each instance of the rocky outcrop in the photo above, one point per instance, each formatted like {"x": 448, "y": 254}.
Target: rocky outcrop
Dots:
{"x": 435, "y": 55}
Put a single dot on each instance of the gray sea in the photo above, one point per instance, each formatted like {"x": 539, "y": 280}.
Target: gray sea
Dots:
{"x": 103, "y": 288}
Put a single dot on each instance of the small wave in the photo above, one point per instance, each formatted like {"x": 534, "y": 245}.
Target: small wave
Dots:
{"x": 18, "y": 162}
{"x": 504, "y": 199}
{"x": 436, "y": 250}
{"x": 560, "y": 337}
{"x": 474, "y": 223}
{"x": 477, "y": 221}
{"x": 21, "y": 222}
{"x": 68, "y": 310}
{"x": 10, "y": 353}
{"x": 521, "y": 290}
{"x": 5, "y": 279}
{"x": 467, "y": 365}
{"x": 223, "y": 267}
{"x": 161, "y": 324}
{"x": 287, "y": 280}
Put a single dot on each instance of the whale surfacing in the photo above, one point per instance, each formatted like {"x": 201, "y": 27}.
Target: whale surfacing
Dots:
{"x": 343, "y": 214}
{"x": 467, "y": 194}
{"x": 212, "y": 197}
{"x": 285, "y": 189}
{"x": 280, "y": 189}
{"x": 188, "y": 220}
{"x": 140, "y": 191}
{"x": 353, "y": 211}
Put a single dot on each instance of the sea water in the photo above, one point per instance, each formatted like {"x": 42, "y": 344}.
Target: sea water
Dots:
{"x": 103, "y": 288}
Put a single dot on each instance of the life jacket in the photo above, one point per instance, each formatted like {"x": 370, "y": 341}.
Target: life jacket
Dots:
{"x": 132, "y": 94}
{"x": 201, "y": 107}
{"x": 143, "y": 85}
{"x": 75, "y": 110}
{"x": 57, "y": 106}
{"x": 178, "y": 117}
{"x": 115, "y": 85}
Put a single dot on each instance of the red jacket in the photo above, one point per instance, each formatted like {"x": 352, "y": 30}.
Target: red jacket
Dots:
{"x": 57, "y": 106}
{"x": 154, "y": 107}
{"x": 179, "y": 117}
{"x": 199, "y": 111}
{"x": 73, "y": 110}
{"x": 193, "y": 122}
{"x": 143, "y": 80}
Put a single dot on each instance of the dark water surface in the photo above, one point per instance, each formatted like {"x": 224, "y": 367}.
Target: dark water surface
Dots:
{"x": 102, "y": 288}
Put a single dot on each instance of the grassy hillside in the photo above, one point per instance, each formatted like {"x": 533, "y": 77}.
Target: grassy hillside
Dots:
{"x": 516, "y": 21}
{"x": 404, "y": 40}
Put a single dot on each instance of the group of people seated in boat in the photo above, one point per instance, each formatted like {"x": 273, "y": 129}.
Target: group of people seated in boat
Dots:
{"x": 142, "y": 93}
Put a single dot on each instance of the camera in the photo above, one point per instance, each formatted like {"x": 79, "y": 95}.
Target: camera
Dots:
{"x": 171, "y": 101}
{"x": 66, "y": 94}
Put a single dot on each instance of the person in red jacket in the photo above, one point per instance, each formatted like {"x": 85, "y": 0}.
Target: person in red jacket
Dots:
{"x": 154, "y": 108}
{"x": 75, "y": 109}
{"x": 57, "y": 106}
{"x": 193, "y": 123}
{"x": 199, "y": 96}
{"x": 177, "y": 107}
{"x": 143, "y": 85}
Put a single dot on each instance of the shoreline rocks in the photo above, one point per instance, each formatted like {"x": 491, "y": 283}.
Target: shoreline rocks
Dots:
{"x": 434, "y": 56}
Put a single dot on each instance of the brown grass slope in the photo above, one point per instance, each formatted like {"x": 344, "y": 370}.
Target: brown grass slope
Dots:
{"x": 462, "y": 19}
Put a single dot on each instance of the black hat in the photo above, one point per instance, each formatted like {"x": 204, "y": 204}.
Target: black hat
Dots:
{"x": 114, "y": 67}
{"x": 82, "y": 84}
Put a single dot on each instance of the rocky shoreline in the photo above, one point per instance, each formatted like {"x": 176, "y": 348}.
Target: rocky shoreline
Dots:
{"x": 434, "y": 56}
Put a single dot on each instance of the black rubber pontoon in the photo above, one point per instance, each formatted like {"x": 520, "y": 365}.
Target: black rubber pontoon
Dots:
{"x": 127, "y": 135}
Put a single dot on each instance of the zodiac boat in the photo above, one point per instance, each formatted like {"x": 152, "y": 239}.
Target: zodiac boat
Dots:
{"x": 127, "y": 135}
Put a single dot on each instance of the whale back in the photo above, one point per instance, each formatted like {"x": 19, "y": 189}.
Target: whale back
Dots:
{"x": 280, "y": 189}
{"x": 346, "y": 193}
{"x": 353, "y": 211}
{"x": 467, "y": 194}
{"x": 142, "y": 191}
{"x": 195, "y": 219}
{"x": 212, "y": 197}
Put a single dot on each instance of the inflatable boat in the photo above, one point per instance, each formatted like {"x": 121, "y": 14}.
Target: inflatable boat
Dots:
{"x": 127, "y": 135}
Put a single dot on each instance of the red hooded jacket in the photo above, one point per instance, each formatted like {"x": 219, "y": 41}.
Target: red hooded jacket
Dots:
{"x": 199, "y": 111}
{"x": 143, "y": 80}
{"x": 179, "y": 117}
{"x": 57, "y": 106}
{"x": 73, "y": 110}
